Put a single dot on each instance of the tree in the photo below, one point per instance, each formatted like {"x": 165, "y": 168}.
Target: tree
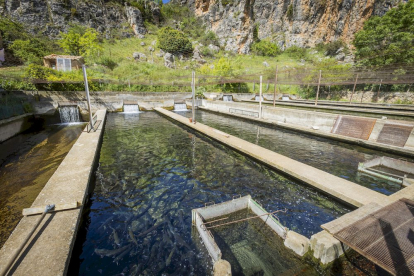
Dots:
{"x": 174, "y": 41}
{"x": 80, "y": 41}
{"x": 388, "y": 39}
{"x": 31, "y": 50}
{"x": 265, "y": 48}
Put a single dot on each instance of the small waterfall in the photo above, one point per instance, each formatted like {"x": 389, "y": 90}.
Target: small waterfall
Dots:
{"x": 227, "y": 98}
{"x": 69, "y": 114}
{"x": 131, "y": 108}
{"x": 180, "y": 107}
{"x": 257, "y": 98}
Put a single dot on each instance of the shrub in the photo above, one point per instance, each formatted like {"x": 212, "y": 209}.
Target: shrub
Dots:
{"x": 265, "y": 48}
{"x": 296, "y": 52}
{"x": 38, "y": 72}
{"x": 174, "y": 41}
{"x": 31, "y": 50}
{"x": 333, "y": 47}
{"x": 289, "y": 12}
{"x": 209, "y": 38}
{"x": 108, "y": 62}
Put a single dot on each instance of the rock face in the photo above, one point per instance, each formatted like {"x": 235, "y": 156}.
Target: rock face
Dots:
{"x": 169, "y": 60}
{"x": 299, "y": 22}
{"x": 50, "y": 17}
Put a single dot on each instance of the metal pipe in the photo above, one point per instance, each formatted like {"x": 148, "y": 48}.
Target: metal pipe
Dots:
{"x": 87, "y": 95}
{"x": 23, "y": 244}
{"x": 274, "y": 93}
{"x": 193, "y": 88}
{"x": 319, "y": 84}
{"x": 260, "y": 98}
{"x": 353, "y": 90}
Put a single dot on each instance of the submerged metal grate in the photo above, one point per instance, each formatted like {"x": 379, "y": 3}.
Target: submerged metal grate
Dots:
{"x": 395, "y": 135}
{"x": 353, "y": 127}
{"x": 385, "y": 237}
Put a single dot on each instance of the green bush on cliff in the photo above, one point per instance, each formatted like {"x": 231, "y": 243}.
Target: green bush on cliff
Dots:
{"x": 265, "y": 48}
{"x": 80, "y": 41}
{"x": 31, "y": 50}
{"x": 388, "y": 39}
{"x": 173, "y": 41}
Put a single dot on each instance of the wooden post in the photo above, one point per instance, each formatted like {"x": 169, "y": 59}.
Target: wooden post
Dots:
{"x": 319, "y": 84}
{"x": 260, "y": 98}
{"x": 353, "y": 90}
{"x": 254, "y": 86}
{"x": 274, "y": 93}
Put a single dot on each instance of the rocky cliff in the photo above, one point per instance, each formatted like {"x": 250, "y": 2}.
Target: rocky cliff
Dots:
{"x": 288, "y": 22}
{"x": 49, "y": 17}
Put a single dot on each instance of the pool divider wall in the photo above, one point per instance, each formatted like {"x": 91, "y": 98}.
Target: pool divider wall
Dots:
{"x": 310, "y": 122}
{"x": 14, "y": 125}
{"x": 49, "y": 250}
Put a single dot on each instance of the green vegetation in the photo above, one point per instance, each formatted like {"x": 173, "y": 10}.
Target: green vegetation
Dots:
{"x": 296, "y": 52}
{"x": 289, "y": 12}
{"x": 174, "y": 41}
{"x": 80, "y": 41}
{"x": 31, "y": 50}
{"x": 265, "y": 48}
{"x": 388, "y": 39}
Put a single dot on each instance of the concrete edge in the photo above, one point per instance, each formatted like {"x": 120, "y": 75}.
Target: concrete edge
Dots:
{"x": 336, "y": 137}
{"x": 11, "y": 119}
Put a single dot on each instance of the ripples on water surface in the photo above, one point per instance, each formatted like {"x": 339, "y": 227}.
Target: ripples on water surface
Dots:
{"x": 334, "y": 157}
{"x": 151, "y": 173}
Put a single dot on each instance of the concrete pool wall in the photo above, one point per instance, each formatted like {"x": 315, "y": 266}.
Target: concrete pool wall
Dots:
{"x": 15, "y": 125}
{"x": 49, "y": 250}
{"x": 315, "y": 123}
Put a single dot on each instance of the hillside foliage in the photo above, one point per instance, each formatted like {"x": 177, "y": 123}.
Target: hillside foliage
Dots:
{"x": 173, "y": 41}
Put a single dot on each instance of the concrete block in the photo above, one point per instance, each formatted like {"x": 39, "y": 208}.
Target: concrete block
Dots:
{"x": 325, "y": 247}
{"x": 222, "y": 268}
{"x": 298, "y": 243}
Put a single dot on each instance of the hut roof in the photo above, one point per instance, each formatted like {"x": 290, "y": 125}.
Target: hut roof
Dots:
{"x": 54, "y": 56}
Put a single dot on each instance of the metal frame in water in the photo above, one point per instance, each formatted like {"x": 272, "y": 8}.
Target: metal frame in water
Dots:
{"x": 200, "y": 215}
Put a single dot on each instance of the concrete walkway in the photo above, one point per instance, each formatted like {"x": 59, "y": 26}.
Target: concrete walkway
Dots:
{"x": 50, "y": 248}
{"x": 340, "y": 188}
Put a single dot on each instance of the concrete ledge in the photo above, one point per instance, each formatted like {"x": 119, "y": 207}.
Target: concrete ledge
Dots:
{"x": 50, "y": 248}
{"x": 325, "y": 247}
{"x": 318, "y": 133}
{"x": 13, "y": 126}
{"x": 298, "y": 243}
{"x": 344, "y": 190}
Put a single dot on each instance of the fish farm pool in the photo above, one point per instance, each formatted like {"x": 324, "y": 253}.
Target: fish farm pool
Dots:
{"x": 337, "y": 158}
{"x": 151, "y": 174}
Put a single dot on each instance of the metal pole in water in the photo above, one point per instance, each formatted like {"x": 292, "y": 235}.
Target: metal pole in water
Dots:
{"x": 87, "y": 94}
{"x": 353, "y": 90}
{"x": 319, "y": 84}
{"x": 260, "y": 98}
{"x": 193, "y": 88}
{"x": 274, "y": 93}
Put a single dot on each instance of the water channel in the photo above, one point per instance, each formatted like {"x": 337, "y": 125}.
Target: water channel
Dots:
{"x": 27, "y": 161}
{"x": 334, "y": 157}
{"x": 152, "y": 173}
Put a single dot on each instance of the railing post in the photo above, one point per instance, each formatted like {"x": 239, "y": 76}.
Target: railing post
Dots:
{"x": 193, "y": 90}
{"x": 379, "y": 88}
{"x": 260, "y": 98}
{"x": 274, "y": 93}
{"x": 353, "y": 90}
{"x": 319, "y": 84}
{"x": 87, "y": 94}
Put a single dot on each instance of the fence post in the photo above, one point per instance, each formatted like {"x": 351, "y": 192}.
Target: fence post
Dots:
{"x": 379, "y": 88}
{"x": 319, "y": 84}
{"x": 193, "y": 88}
{"x": 353, "y": 90}
{"x": 260, "y": 98}
{"x": 87, "y": 94}
{"x": 274, "y": 93}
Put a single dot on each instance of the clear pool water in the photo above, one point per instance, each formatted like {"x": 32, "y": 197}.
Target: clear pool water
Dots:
{"x": 334, "y": 157}
{"x": 152, "y": 173}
